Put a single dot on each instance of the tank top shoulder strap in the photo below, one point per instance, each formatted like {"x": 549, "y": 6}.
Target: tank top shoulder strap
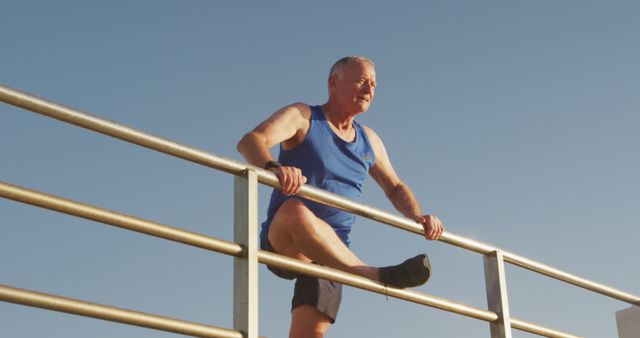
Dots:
{"x": 316, "y": 113}
{"x": 317, "y": 120}
{"x": 365, "y": 144}
{"x": 362, "y": 133}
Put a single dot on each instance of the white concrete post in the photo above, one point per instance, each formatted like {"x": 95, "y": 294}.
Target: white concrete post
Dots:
{"x": 496, "y": 286}
{"x": 245, "y": 268}
{"x": 628, "y": 322}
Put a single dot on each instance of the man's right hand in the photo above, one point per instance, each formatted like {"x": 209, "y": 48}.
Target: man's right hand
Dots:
{"x": 291, "y": 179}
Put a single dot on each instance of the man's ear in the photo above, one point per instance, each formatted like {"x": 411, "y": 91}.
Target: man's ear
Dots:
{"x": 332, "y": 82}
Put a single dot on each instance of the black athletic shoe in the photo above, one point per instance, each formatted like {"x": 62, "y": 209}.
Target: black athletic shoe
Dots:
{"x": 412, "y": 272}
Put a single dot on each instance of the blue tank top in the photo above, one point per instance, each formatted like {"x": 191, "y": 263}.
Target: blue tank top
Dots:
{"x": 329, "y": 163}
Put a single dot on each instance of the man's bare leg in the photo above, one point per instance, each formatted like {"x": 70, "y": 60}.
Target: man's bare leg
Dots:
{"x": 308, "y": 322}
{"x": 296, "y": 232}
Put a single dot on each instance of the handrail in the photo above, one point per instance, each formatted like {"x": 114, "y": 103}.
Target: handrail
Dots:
{"x": 86, "y": 211}
{"x": 78, "y": 209}
{"x": 84, "y": 120}
{"x": 87, "y": 309}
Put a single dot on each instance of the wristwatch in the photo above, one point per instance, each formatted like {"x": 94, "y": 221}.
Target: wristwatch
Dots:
{"x": 272, "y": 164}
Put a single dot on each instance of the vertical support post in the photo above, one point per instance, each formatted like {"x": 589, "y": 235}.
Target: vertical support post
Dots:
{"x": 496, "y": 286}
{"x": 245, "y": 268}
{"x": 628, "y": 322}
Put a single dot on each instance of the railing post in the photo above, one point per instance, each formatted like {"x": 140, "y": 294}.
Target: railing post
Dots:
{"x": 628, "y": 322}
{"x": 496, "y": 286}
{"x": 245, "y": 268}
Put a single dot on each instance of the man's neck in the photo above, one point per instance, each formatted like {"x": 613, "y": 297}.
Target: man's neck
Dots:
{"x": 340, "y": 119}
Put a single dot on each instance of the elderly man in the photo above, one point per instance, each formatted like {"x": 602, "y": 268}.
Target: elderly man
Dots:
{"x": 325, "y": 147}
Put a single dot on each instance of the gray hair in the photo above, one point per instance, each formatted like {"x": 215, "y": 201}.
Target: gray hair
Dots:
{"x": 339, "y": 65}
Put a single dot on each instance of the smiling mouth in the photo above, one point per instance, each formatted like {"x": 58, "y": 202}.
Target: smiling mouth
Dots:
{"x": 363, "y": 98}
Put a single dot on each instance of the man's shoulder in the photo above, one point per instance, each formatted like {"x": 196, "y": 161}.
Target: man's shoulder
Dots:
{"x": 299, "y": 108}
{"x": 371, "y": 134}
{"x": 296, "y": 119}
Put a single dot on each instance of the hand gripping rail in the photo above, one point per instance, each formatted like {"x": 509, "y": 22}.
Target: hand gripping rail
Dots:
{"x": 84, "y": 120}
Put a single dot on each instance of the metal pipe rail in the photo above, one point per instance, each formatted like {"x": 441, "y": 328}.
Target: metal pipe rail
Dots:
{"x": 73, "y": 208}
{"x": 245, "y": 250}
{"x": 110, "y": 313}
{"x": 87, "y": 121}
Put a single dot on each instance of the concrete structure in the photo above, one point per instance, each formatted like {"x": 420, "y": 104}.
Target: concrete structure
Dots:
{"x": 628, "y": 322}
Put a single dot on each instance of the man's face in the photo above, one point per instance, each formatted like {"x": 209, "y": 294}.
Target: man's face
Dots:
{"x": 354, "y": 86}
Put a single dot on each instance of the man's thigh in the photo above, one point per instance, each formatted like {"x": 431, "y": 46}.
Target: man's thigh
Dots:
{"x": 290, "y": 217}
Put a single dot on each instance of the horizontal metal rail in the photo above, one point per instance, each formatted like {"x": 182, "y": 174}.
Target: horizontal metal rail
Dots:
{"x": 412, "y": 296}
{"x": 84, "y": 120}
{"x": 39, "y": 199}
{"x": 87, "y": 309}
{"x": 59, "y": 204}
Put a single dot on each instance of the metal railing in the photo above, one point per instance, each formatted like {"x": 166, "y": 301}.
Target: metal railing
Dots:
{"x": 244, "y": 248}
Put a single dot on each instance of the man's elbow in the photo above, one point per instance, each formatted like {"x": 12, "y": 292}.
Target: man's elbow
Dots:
{"x": 246, "y": 142}
{"x": 242, "y": 144}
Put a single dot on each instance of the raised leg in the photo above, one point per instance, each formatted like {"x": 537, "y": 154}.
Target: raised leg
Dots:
{"x": 296, "y": 232}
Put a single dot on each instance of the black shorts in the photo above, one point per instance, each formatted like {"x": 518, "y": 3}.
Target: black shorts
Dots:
{"x": 322, "y": 294}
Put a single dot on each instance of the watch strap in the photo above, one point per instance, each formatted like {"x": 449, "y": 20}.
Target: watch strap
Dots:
{"x": 272, "y": 164}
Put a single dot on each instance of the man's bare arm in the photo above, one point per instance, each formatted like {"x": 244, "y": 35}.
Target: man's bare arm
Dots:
{"x": 282, "y": 126}
{"x": 287, "y": 125}
{"x": 398, "y": 192}
{"x": 405, "y": 201}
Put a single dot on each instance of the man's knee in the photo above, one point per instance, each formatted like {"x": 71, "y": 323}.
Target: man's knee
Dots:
{"x": 294, "y": 208}
{"x": 295, "y": 222}
{"x": 293, "y": 214}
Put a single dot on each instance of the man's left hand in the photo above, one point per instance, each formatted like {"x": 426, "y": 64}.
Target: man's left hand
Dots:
{"x": 432, "y": 225}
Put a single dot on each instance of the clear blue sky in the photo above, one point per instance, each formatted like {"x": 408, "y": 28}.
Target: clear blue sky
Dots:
{"x": 516, "y": 122}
